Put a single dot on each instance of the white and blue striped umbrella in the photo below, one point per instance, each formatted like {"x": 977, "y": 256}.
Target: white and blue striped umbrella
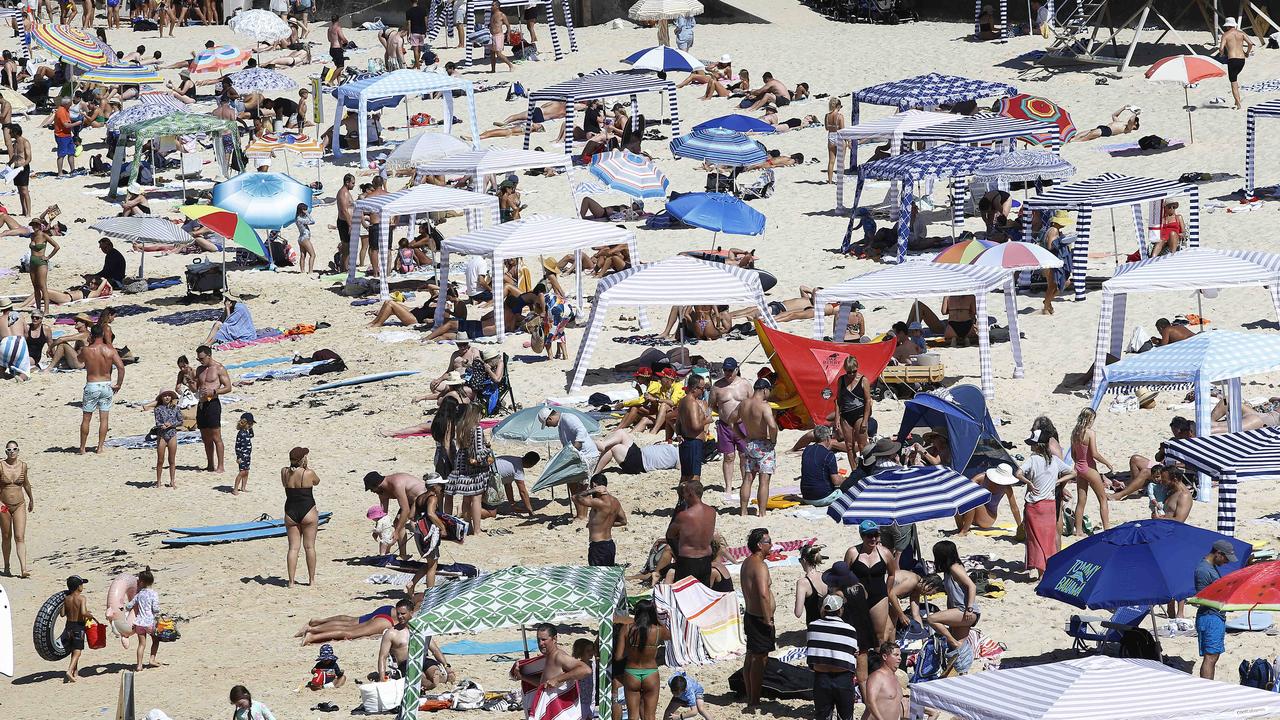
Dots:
{"x": 719, "y": 146}
{"x": 635, "y": 175}
{"x": 908, "y": 495}
{"x": 663, "y": 59}
{"x": 1026, "y": 166}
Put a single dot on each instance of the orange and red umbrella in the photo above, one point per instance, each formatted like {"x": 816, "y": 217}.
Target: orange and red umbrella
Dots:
{"x": 1186, "y": 70}
{"x": 1030, "y": 107}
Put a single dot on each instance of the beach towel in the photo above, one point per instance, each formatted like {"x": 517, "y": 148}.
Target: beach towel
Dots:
{"x": 260, "y": 363}
{"x": 390, "y": 578}
{"x": 740, "y": 553}
{"x": 653, "y": 340}
{"x": 121, "y": 311}
{"x": 556, "y": 703}
{"x": 187, "y": 317}
{"x": 686, "y": 646}
{"x": 237, "y": 326}
{"x": 266, "y": 336}
{"x": 14, "y": 357}
{"x": 1131, "y": 149}
{"x": 162, "y": 283}
{"x": 140, "y": 442}
{"x": 471, "y": 647}
{"x": 1265, "y": 86}
{"x": 714, "y": 614}
{"x": 289, "y": 373}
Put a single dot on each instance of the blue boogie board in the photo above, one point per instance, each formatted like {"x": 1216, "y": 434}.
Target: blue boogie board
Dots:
{"x": 362, "y": 379}
{"x": 265, "y": 522}
{"x": 258, "y": 534}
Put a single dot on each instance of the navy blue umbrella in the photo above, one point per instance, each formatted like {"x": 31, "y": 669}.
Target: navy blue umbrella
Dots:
{"x": 717, "y": 212}
{"x": 737, "y": 123}
{"x": 663, "y": 59}
{"x": 719, "y": 146}
{"x": 1144, "y": 562}
{"x": 902, "y": 496}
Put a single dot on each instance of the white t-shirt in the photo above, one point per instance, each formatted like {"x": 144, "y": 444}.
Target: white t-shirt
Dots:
{"x": 662, "y": 456}
{"x": 475, "y": 269}
{"x": 1043, "y": 476}
{"x": 572, "y": 431}
{"x": 509, "y": 467}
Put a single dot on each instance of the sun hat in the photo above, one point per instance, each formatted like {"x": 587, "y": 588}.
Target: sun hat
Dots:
{"x": 1062, "y": 219}
{"x": 544, "y": 414}
{"x": 326, "y": 653}
{"x": 488, "y": 354}
{"x": 376, "y": 513}
{"x": 726, "y": 58}
{"x": 868, "y": 527}
{"x": 884, "y": 447}
{"x": 296, "y": 455}
{"x": 434, "y": 479}
{"x": 166, "y": 393}
{"x": 84, "y": 318}
{"x": 839, "y": 576}
{"x": 1002, "y": 474}
{"x": 1230, "y": 22}
{"x": 453, "y": 378}
{"x": 550, "y": 266}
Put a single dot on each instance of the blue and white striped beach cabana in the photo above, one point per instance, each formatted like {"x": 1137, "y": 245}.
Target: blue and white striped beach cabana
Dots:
{"x": 394, "y": 84}
{"x": 1197, "y": 363}
{"x": 921, "y": 280}
{"x": 1248, "y": 455}
{"x": 1190, "y": 269}
{"x": 1111, "y": 190}
{"x": 440, "y": 15}
{"x": 936, "y": 163}
{"x": 890, "y": 129}
{"x": 902, "y": 496}
{"x": 928, "y": 91}
{"x": 598, "y": 85}
{"x": 1269, "y": 109}
{"x": 986, "y": 128}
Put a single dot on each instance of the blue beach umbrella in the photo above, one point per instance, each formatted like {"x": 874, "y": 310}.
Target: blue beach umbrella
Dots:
{"x": 262, "y": 200}
{"x": 719, "y": 146}
{"x": 737, "y": 123}
{"x": 663, "y": 59}
{"x": 908, "y": 495}
{"x": 717, "y": 212}
{"x": 1143, "y": 562}
{"x": 626, "y": 172}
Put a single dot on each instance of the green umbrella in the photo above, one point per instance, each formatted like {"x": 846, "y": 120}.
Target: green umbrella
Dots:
{"x": 524, "y": 426}
{"x": 566, "y": 467}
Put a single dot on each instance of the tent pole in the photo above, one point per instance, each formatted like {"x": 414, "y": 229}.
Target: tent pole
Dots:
{"x": 524, "y": 637}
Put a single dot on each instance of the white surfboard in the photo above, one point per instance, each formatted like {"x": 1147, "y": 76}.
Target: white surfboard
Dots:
{"x": 6, "y": 636}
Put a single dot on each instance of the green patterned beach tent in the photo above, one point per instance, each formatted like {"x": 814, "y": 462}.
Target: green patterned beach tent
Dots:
{"x": 517, "y": 597}
{"x": 173, "y": 124}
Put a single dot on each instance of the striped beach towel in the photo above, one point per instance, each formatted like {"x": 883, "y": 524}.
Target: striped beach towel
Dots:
{"x": 13, "y": 355}
{"x": 740, "y": 553}
{"x": 556, "y": 704}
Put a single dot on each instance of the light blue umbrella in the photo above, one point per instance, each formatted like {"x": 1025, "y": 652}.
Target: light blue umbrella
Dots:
{"x": 719, "y": 146}
{"x": 262, "y": 200}
{"x": 523, "y": 426}
{"x": 717, "y": 212}
{"x": 566, "y": 467}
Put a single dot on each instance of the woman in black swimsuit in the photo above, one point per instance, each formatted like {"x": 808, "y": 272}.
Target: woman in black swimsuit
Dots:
{"x": 37, "y": 336}
{"x": 810, "y": 590}
{"x": 853, "y": 401}
{"x": 300, "y": 516}
{"x": 875, "y": 567}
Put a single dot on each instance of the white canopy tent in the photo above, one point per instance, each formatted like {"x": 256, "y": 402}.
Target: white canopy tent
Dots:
{"x": 412, "y": 202}
{"x": 483, "y": 162}
{"x": 532, "y": 235}
{"x": 393, "y": 84}
{"x": 915, "y": 280}
{"x": 1091, "y": 688}
{"x": 1191, "y": 269}
{"x": 679, "y": 280}
{"x": 890, "y": 129}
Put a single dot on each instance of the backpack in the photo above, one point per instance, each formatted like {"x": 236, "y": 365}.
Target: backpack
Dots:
{"x": 1152, "y": 142}
{"x": 931, "y": 660}
{"x": 1258, "y": 674}
{"x": 1138, "y": 643}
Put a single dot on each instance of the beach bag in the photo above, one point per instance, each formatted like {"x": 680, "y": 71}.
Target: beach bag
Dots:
{"x": 1152, "y": 142}
{"x": 779, "y": 680}
{"x": 381, "y": 696}
{"x": 95, "y": 635}
{"x": 425, "y": 535}
{"x": 167, "y": 629}
{"x": 1258, "y": 674}
{"x": 1137, "y": 643}
{"x": 930, "y": 661}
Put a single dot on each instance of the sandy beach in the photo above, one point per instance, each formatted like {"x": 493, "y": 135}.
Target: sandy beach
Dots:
{"x": 98, "y": 515}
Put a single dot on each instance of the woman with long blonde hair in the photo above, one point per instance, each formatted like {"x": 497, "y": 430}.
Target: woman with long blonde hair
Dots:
{"x": 1084, "y": 453}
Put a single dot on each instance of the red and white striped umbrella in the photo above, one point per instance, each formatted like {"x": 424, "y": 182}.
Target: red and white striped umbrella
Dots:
{"x": 1187, "y": 70}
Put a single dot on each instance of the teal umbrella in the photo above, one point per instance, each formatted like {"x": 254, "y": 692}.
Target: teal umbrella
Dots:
{"x": 566, "y": 467}
{"x": 524, "y": 426}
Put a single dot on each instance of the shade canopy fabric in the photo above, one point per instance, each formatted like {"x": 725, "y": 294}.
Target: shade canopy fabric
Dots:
{"x": 678, "y": 280}
{"x": 1026, "y": 166}
{"x": 514, "y": 9}
{"x": 1031, "y": 107}
{"x": 663, "y": 59}
{"x": 890, "y": 129}
{"x": 261, "y": 25}
{"x": 962, "y": 410}
{"x": 907, "y": 495}
{"x": 566, "y": 466}
{"x": 398, "y": 83}
{"x": 518, "y": 597}
{"x": 137, "y": 114}
{"x": 523, "y": 426}
{"x": 1097, "y": 687}
{"x": 1190, "y": 269}
{"x": 629, "y": 173}
{"x": 218, "y": 59}
{"x": 807, "y": 369}
{"x": 169, "y": 125}
{"x": 981, "y": 128}
{"x": 424, "y": 147}
{"x": 1111, "y": 190}
{"x": 479, "y": 209}
{"x": 1256, "y": 587}
{"x": 532, "y": 235}
{"x": 271, "y": 143}
{"x": 926, "y": 279}
{"x": 737, "y": 123}
{"x": 259, "y": 79}
{"x": 142, "y": 229}
{"x": 1268, "y": 109}
{"x": 488, "y": 161}
{"x": 1229, "y": 457}
{"x": 929, "y": 91}
{"x": 70, "y": 44}
{"x": 599, "y": 85}
{"x": 263, "y": 199}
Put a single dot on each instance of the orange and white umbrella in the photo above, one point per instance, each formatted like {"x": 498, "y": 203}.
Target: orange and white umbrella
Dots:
{"x": 1187, "y": 70}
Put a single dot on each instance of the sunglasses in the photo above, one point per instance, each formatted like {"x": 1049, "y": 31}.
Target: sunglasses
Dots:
{"x": 12, "y": 449}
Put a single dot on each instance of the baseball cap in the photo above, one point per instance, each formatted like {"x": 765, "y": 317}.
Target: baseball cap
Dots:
{"x": 644, "y": 371}
{"x": 729, "y": 364}
{"x": 868, "y": 527}
{"x": 543, "y": 414}
{"x": 833, "y": 602}
{"x": 76, "y": 581}
{"x": 376, "y": 513}
{"x": 763, "y": 384}
{"x": 1219, "y": 546}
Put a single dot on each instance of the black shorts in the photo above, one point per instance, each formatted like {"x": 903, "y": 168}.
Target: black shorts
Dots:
{"x": 691, "y": 457}
{"x": 423, "y": 314}
{"x": 473, "y": 328}
{"x": 344, "y": 233}
{"x": 761, "y": 638}
{"x": 1234, "y": 66}
{"x": 601, "y": 553}
{"x": 339, "y": 56}
{"x": 776, "y": 307}
{"x": 699, "y": 567}
{"x": 209, "y": 414}
{"x": 781, "y": 101}
{"x": 73, "y": 636}
{"x": 632, "y": 464}
{"x": 1105, "y": 130}
{"x": 537, "y": 115}
{"x": 23, "y": 179}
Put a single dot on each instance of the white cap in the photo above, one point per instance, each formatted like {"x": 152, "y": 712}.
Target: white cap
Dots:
{"x": 726, "y": 58}
{"x": 543, "y": 414}
{"x": 434, "y": 479}
{"x": 1230, "y": 23}
{"x": 833, "y": 602}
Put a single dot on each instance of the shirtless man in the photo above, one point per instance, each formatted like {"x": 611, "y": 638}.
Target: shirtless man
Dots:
{"x": 379, "y": 184}
{"x": 393, "y": 652}
{"x": 757, "y": 616}
{"x": 606, "y": 514}
{"x": 727, "y": 394}
{"x": 98, "y": 358}
{"x": 552, "y": 110}
{"x": 883, "y": 693}
{"x": 692, "y": 418}
{"x": 20, "y": 157}
{"x": 1170, "y": 333}
{"x": 6, "y": 117}
{"x": 759, "y": 458}
{"x": 773, "y": 92}
{"x": 1236, "y": 47}
{"x": 499, "y": 26}
{"x": 392, "y": 40}
{"x": 337, "y": 43}
{"x": 345, "y": 204}
{"x": 561, "y": 668}
{"x": 404, "y": 488}
{"x": 76, "y": 610}
{"x": 1115, "y": 127}
{"x": 689, "y": 534}
{"x": 211, "y": 381}
{"x": 961, "y": 311}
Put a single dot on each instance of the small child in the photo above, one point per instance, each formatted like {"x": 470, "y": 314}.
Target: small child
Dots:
{"x": 686, "y": 698}
{"x": 146, "y": 603}
{"x": 303, "y": 221}
{"x": 384, "y": 528}
{"x": 246, "y": 707}
{"x": 244, "y": 450}
{"x": 406, "y": 262}
{"x": 326, "y": 672}
{"x": 76, "y": 610}
{"x": 585, "y": 651}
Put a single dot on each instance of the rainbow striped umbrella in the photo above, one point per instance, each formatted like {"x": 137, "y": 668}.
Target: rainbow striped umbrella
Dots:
{"x": 230, "y": 226}
{"x": 635, "y": 175}
{"x": 122, "y": 75}
{"x": 1030, "y": 107}
{"x": 963, "y": 253}
{"x": 269, "y": 144}
{"x": 218, "y": 59}
{"x": 1017, "y": 256}
{"x": 70, "y": 44}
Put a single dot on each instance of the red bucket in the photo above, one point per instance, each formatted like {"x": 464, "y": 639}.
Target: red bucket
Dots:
{"x": 95, "y": 636}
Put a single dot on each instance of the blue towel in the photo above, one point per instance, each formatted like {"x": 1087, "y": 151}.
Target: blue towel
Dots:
{"x": 260, "y": 363}
{"x": 187, "y": 317}
{"x": 237, "y": 326}
{"x": 471, "y": 647}
{"x": 162, "y": 283}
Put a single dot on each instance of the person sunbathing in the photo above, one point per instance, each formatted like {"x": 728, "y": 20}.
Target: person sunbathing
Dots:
{"x": 771, "y": 116}
{"x": 704, "y": 322}
{"x": 553, "y": 110}
{"x": 728, "y": 87}
{"x": 959, "y": 326}
{"x": 632, "y": 459}
{"x": 1115, "y": 127}
{"x": 591, "y": 209}
{"x": 409, "y": 316}
{"x": 456, "y": 321}
{"x": 1171, "y": 332}
{"x": 513, "y": 131}
{"x": 346, "y": 627}
{"x": 605, "y": 261}
{"x": 1251, "y": 417}
{"x": 92, "y": 289}
{"x": 722, "y": 70}
{"x": 773, "y": 92}
{"x": 289, "y": 59}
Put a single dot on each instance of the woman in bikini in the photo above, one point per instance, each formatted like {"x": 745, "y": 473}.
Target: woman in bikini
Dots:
{"x": 14, "y": 484}
{"x": 300, "y": 516}
{"x": 637, "y": 651}
{"x": 1085, "y": 455}
{"x": 875, "y": 567}
{"x": 834, "y": 123}
{"x": 43, "y": 248}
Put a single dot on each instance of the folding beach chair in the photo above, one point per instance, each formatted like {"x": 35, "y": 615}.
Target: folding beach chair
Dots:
{"x": 1100, "y": 632}
{"x": 499, "y": 396}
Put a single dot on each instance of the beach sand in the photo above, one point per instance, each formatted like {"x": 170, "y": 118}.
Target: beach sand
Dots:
{"x": 97, "y": 516}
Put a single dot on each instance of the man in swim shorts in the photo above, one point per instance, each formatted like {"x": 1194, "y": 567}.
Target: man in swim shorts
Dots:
{"x": 346, "y": 627}
{"x": 1236, "y": 47}
{"x": 606, "y": 514}
{"x": 689, "y": 534}
{"x": 692, "y": 417}
{"x": 757, "y": 618}
{"x": 759, "y": 457}
{"x": 727, "y": 394}
{"x": 337, "y": 43}
{"x": 1211, "y": 624}
{"x": 211, "y": 382}
{"x": 98, "y": 359}
{"x": 633, "y": 459}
